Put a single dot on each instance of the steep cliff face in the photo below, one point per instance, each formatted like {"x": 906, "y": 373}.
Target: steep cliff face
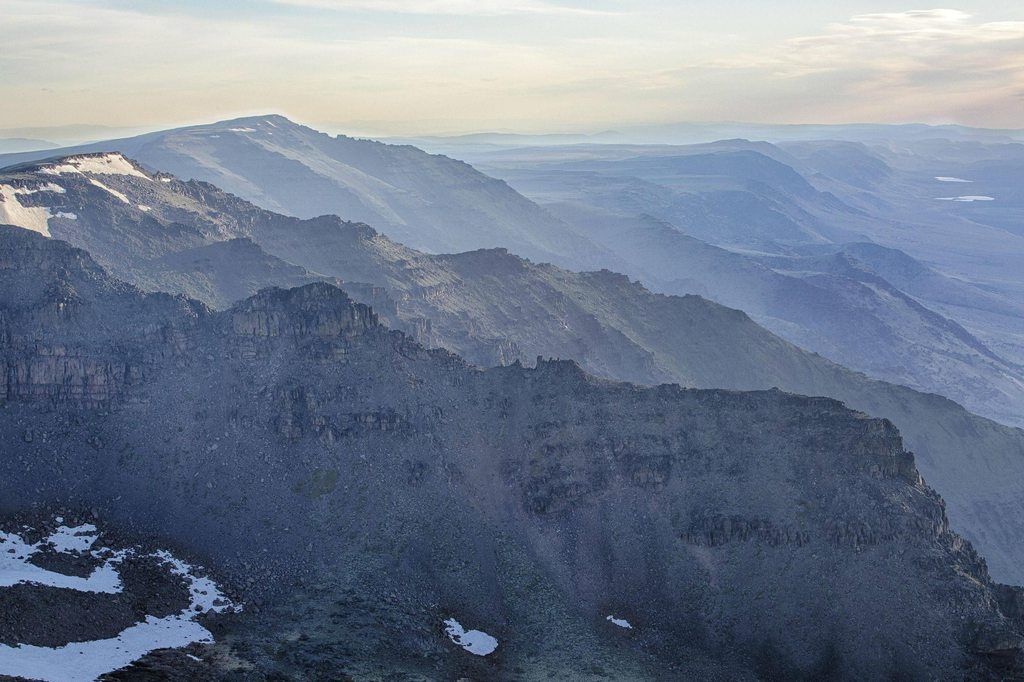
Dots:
{"x": 358, "y": 490}
{"x": 492, "y": 307}
{"x": 61, "y": 325}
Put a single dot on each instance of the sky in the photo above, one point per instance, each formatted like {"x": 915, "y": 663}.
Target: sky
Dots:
{"x": 403, "y": 67}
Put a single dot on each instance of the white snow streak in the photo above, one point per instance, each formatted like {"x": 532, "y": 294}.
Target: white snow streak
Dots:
{"x": 203, "y": 592}
{"x": 117, "y": 194}
{"x": 86, "y": 661}
{"x": 16, "y": 569}
{"x": 621, "y": 622}
{"x": 45, "y": 187}
{"x": 77, "y": 539}
{"x": 106, "y": 164}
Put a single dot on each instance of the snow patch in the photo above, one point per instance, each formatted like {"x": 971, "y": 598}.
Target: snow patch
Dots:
{"x": 86, "y": 661}
{"x": 474, "y": 641}
{"x": 967, "y": 199}
{"x": 77, "y": 539}
{"x": 242, "y": 130}
{"x": 13, "y": 212}
{"x": 945, "y": 178}
{"x": 621, "y": 622}
{"x": 65, "y": 214}
{"x": 166, "y": 179}
{"x": 204, "y": 594}
{"x": 106, "y": 164}
{"x": 16, "y": 569}
{"x": 45, "y": 187}
{"x": 144, "y": 208}
{"x": 117, "y": 194}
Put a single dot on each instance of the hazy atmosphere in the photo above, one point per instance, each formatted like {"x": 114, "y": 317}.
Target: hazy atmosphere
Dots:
{"x": 444, "y": 66}
{"x": 511, "y": 341}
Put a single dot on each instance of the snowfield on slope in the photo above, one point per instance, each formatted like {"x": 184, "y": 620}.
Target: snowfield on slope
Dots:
{"x": 88, "y": 660}
{"x": 102, "y": 164}
{"x": 35, "y": 218}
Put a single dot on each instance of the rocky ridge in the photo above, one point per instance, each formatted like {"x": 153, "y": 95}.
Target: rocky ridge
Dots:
{"x": 742, "y": 534}
{"x": 494, "y": 308}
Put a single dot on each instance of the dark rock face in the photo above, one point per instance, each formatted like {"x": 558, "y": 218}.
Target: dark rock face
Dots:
{"x": 358, "y": 489}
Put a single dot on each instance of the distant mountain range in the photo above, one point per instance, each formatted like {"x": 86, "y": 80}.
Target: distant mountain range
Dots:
{"x": 956, "y": 329}
{"x": 495, "y": 308}
{"x": 697, "y": 133}
{"x": 11, "y": 145}
{"x": 428, "y": 202}
{"x": 760, "y": 227}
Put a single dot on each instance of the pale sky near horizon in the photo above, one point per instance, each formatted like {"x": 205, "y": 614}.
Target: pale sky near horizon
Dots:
{"x": 446, "y": 66}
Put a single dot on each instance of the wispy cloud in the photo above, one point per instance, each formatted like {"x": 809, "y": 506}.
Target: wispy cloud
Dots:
{"x": 919, "y": 40}
{"x": 111, "y": 61}
{"x": 930, "y": 64}
{"x": 449, "y": 7}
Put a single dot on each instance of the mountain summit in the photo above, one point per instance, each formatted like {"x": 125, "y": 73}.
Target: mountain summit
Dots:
{"x": 426, "y": 201}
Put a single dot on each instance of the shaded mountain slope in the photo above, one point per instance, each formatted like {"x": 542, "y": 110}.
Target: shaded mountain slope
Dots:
{"x": 494, "y": 308}
{"x": 741, "y": 534}
{"x": 223, "y": 272}
{"x": 757, "y": 198}
{"x": 749, "y": 195}
{"x": 838, "y": 306}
